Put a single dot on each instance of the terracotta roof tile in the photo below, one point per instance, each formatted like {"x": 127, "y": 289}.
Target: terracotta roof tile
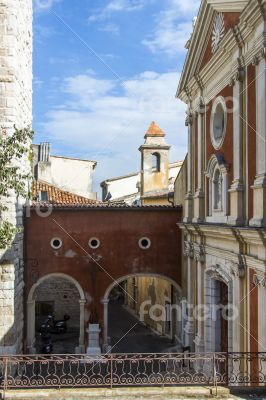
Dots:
{"x": 154, "y": 130}
{"x": 56, "y": 195}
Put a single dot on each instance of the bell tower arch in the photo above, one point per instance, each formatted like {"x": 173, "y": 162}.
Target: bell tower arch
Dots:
{"x": 154, "y": 161}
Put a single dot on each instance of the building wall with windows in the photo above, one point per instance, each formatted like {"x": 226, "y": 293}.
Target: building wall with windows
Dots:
{"x": 69, "y": 174}
{"x": 223, "y": 84}
{"x": 98, "y": 246}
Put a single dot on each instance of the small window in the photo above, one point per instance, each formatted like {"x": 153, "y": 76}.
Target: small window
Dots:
{"x": 144, "y": 243}
{"x": 217, "y": 190}
{"x": 156, "y": 161}
{"x": 94, "y": 243}
{"x": 43, "y": 195}
{"x": 56, "y": 243}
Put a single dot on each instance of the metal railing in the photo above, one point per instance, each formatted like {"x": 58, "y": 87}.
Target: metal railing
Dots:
{"x": 113, "y": 370}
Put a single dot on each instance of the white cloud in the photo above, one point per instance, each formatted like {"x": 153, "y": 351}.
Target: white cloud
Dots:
{"x": 110, "y": 28}
{"x": 44, "y": 5}
{"x": 117, "y": 6}
{"x": 106, "y": 121}
{"x": 173, "y": 27}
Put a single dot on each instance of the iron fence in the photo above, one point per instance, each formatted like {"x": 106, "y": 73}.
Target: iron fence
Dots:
{"x": 113, "y": 370}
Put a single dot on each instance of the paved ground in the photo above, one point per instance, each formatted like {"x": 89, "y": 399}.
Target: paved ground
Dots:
{"x": 140, "y": 339}
{"x": 63, "y": 343}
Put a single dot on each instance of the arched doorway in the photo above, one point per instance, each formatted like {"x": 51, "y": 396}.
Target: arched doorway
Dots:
{"x": 57, "y": 293}
{"x": 152, "y": 303}
{"x": 219, "y": 299}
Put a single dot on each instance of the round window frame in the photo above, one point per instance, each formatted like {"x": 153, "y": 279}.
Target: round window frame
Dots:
{"x": 218, "y": 101}
{"x": 94, "y": 247}
{"x": 145, "y": 247}
{"x": 56, "y": 247}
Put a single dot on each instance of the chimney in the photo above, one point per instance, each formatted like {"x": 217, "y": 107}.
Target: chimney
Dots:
{"x": 44, "y": 152}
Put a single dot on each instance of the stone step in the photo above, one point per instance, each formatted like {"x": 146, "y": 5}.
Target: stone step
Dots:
{"x": 128, "y": 393}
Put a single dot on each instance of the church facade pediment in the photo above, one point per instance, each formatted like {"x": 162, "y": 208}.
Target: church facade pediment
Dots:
{"x": 210, "y": 40}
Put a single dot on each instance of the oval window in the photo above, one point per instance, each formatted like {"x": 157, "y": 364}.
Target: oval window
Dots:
{"x": 218, "y": 122}
{"x": 94, "y": 243}
{"x": 56, "y": 243}
{"x": 144, "y": 243}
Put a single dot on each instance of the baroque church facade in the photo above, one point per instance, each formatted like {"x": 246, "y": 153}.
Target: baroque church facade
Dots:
{"x": 223, "y": 84}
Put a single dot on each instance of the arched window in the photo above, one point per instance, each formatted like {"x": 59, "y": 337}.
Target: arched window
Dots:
{"x": 217, "y": 178}
{"x": 156, "y": 161}
{"x": 217, "y": 190}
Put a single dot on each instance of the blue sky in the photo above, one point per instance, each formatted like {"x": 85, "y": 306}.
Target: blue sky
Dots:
{"x": 103, "y": 70}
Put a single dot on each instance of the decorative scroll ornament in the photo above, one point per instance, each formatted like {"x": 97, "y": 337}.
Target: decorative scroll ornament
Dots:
{"x": 218, "y": 31}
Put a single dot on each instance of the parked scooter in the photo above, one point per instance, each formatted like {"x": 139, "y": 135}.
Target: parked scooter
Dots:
{"x": 47, "y": 345}
{"x": 52, "y": 326}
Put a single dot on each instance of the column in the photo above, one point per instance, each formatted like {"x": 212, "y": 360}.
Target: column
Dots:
{"x": 105, "y": 303}
{"x": 199, "y": 340}
{"x": 31, "y": 327}
{"x": 237, "y": 188}
{"x": 189, "y": 197}
{"x": 259, "y": 187}
{"x": 189, "y": 327}
{"x": 199, "y": 195}
{"x": 81, "y": 348}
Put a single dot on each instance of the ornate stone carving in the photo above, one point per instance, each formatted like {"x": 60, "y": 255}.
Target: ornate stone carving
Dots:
{"x": 259, "y": 280}
{"x": 188, "y": 250}
{"x": 260, "y": 55}
{"x": 199, "y": 253}
{"x": 218, "y": 31}
{"x": 189, "y": 119}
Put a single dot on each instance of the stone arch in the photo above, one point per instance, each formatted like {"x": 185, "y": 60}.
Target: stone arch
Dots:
{"x": 216, "y": 273}
{"x": 105, "y": 299}
{"x": 31, "y": 311}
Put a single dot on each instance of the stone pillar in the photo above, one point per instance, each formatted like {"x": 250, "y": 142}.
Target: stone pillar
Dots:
{"x": 105, "y": 303}
{"x": 81, "y": 347}
{"x": 189, "y": 327}
{"x": 259, "y": 187}
{"x": 94, "y": 340}
{"x": 199, "y": 340}
{"x": 199, "y": 195}
{"x": 31, "y": 349}
{"x": 189, "y": 197}
{"x": 237, "y": 188}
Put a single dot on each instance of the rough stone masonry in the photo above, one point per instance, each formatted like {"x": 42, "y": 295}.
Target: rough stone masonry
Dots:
{"x": 15, "y": 109}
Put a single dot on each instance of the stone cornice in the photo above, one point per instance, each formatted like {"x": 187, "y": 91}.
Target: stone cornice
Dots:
{"x": 233, "y": 39}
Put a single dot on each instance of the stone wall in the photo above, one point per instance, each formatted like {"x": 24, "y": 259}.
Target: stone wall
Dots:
{"x": 63, "y": 296}
{"x": 15, "y": 109}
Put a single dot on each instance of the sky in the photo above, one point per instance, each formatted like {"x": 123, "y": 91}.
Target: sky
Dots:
{"x": 102, "y": 71}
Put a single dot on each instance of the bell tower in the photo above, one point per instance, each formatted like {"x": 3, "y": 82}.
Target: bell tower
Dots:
{"x": 154, "y": 161}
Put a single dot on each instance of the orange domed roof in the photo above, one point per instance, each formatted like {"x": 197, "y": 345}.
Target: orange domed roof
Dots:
{"x": 154, "y": 130}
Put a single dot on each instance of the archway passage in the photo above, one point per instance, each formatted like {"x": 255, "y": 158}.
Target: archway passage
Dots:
{"x": 144, "y": 315}
{"x": 61, "y": 297}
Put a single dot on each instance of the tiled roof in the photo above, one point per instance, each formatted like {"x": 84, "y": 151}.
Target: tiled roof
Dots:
{"x": 156, "y": 193}
{"x": 103, "y": 206}
{"x": 154, "y": 130}
{"x": 56, "y": 195}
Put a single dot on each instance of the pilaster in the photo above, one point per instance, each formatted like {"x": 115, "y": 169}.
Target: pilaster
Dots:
{"x": 188, "y": 214}
{"x": 259, "y": 187}
{"x": 199, "y": 195}
{"x": 236, "y": 190}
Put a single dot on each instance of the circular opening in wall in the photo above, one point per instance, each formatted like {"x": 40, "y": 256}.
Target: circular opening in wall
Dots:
{"x": 144, "y": 243}
{"x": 218, "y": 122}
{"x": 56, "y": 243}
{"x": 94, "y": 243}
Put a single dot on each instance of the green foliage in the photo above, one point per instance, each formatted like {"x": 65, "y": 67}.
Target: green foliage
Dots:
{"x": 13, "y": 149}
